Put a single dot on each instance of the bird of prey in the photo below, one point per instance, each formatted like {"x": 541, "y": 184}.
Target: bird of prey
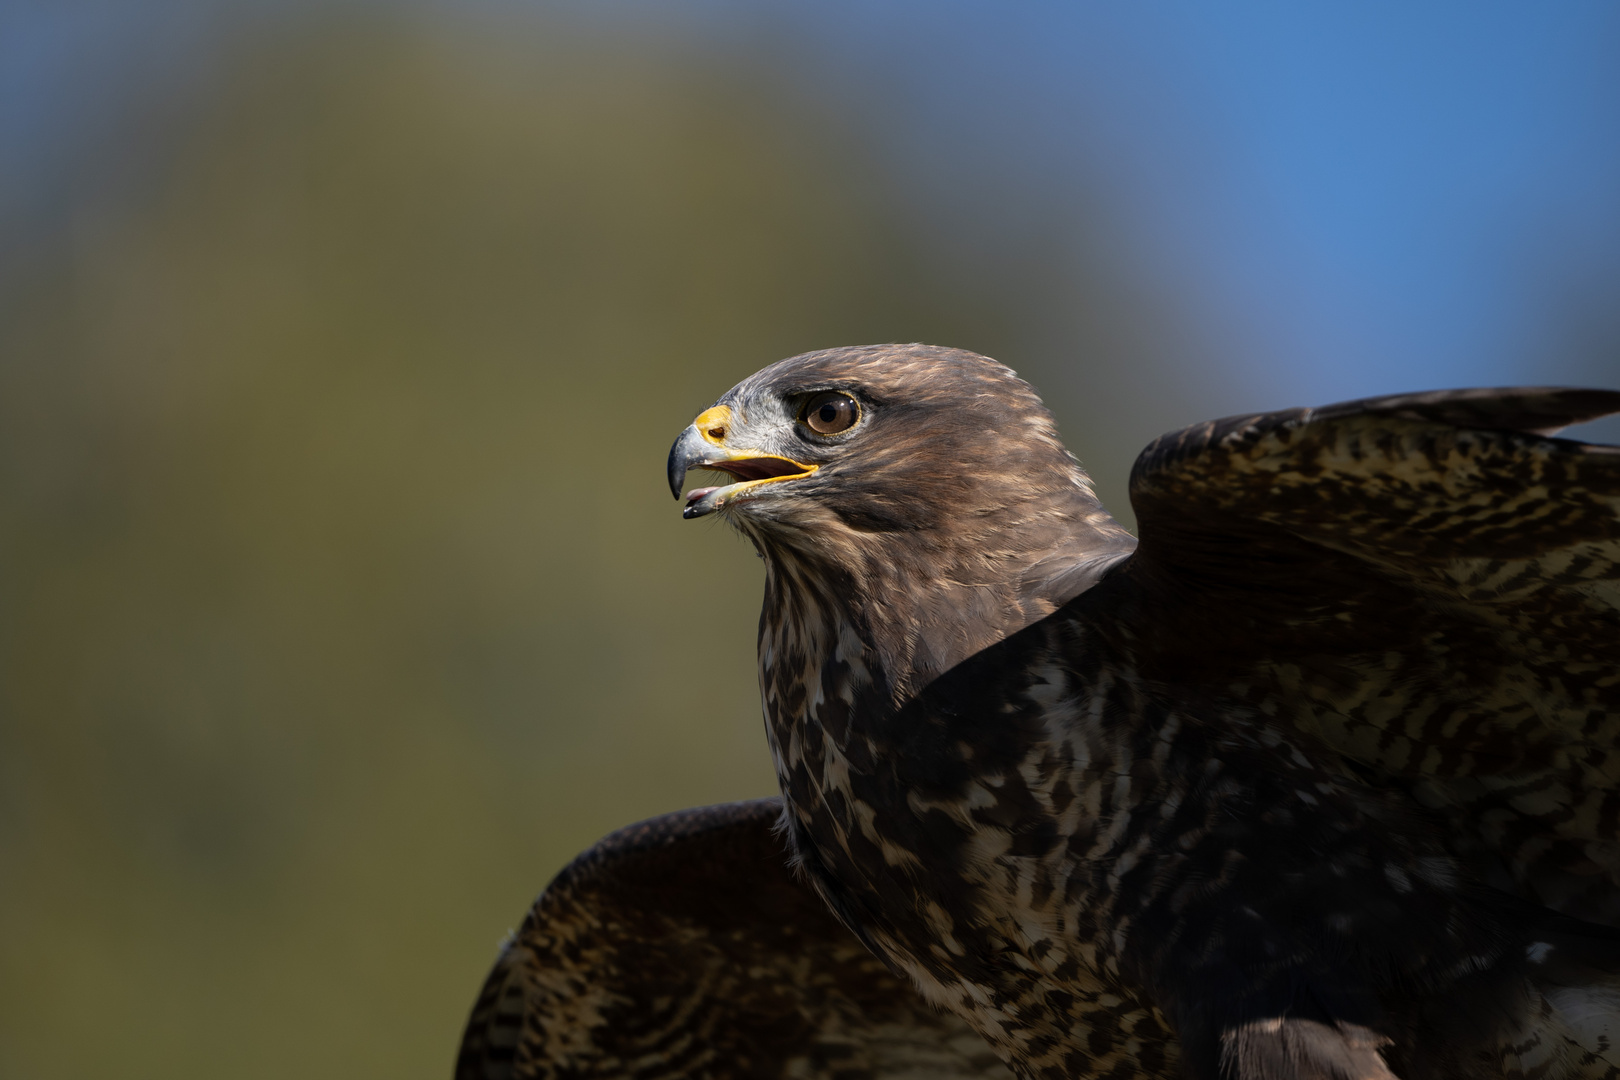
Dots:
{"x": 1317, "y": 779}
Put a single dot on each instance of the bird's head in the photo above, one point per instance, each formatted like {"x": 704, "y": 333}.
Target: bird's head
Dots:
{"x": 925, "y": 487}
{"x": 875, "y": 439}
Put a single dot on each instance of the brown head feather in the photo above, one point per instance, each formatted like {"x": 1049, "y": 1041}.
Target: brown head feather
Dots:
{"x": 952, "y": 509}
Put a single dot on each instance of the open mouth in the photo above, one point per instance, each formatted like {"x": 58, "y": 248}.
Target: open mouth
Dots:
{"x": 751, "y": 472}
{"x": 760, "y": 468}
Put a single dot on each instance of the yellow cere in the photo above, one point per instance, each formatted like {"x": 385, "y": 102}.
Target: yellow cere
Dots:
{"x": 714, "y": 423}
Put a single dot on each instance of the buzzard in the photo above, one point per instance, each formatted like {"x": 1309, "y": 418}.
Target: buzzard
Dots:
{"x": 1316, "y": 779}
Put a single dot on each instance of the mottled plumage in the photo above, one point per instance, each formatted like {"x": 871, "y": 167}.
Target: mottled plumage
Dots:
{"x": 684, "y": 947}
{"x": 1318, "y": 780}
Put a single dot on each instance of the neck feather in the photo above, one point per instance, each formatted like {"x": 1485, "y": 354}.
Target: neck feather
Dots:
{"x": 923, "y": 601}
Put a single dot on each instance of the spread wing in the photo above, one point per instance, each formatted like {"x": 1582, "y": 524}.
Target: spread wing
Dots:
{"x": 1431, "y": 585}
{"x": 684, "y": 947}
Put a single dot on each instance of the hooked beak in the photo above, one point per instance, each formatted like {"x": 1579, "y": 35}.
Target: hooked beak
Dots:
{"x": 702, "y": 446}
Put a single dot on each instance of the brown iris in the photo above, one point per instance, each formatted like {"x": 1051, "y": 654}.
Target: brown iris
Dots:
{"x": 830, "y": 413}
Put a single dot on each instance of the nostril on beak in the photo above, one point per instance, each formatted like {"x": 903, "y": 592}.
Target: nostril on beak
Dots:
{"x": 713, "y": 423}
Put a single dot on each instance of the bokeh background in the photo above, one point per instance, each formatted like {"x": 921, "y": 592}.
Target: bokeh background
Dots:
{"x": 341, "y": 345}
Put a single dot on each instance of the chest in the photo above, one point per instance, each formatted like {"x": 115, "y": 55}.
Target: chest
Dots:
{"x": 945, "y": 830}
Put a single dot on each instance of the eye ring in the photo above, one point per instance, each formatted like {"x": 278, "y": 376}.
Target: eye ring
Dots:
{"x": 830, "y": 413}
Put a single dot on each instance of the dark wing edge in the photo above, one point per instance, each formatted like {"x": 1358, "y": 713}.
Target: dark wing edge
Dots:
{"x": 683, "y": 946}
{"x": 1539, "y": 410}
{"x": 1458, "y": 492}
{"x": 1430, "y": 585}
{"x": 489, "y": 1041}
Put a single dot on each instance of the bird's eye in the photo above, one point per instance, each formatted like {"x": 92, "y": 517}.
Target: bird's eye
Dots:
{"x": 830, "y": 413}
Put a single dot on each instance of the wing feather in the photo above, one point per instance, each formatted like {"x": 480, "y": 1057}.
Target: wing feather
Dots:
{"x": 1428, "y": 583}
{"x": 684, "y": 947}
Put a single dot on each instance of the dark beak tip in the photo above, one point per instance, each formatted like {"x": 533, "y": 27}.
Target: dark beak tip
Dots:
{"x": 677, "y": 470}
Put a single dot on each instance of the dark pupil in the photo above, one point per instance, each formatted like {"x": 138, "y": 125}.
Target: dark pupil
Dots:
{"x": 828, "y": 414}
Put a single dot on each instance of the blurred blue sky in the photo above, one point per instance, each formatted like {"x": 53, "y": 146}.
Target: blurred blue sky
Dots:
{"x": 1352, "y": 198}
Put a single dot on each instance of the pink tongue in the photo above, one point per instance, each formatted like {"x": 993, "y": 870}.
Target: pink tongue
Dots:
{"x": 697, "y": 493}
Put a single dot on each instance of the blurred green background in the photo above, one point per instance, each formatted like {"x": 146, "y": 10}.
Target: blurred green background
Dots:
{"x": 343, "y": 600}
{"x": 344, "y": 597}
